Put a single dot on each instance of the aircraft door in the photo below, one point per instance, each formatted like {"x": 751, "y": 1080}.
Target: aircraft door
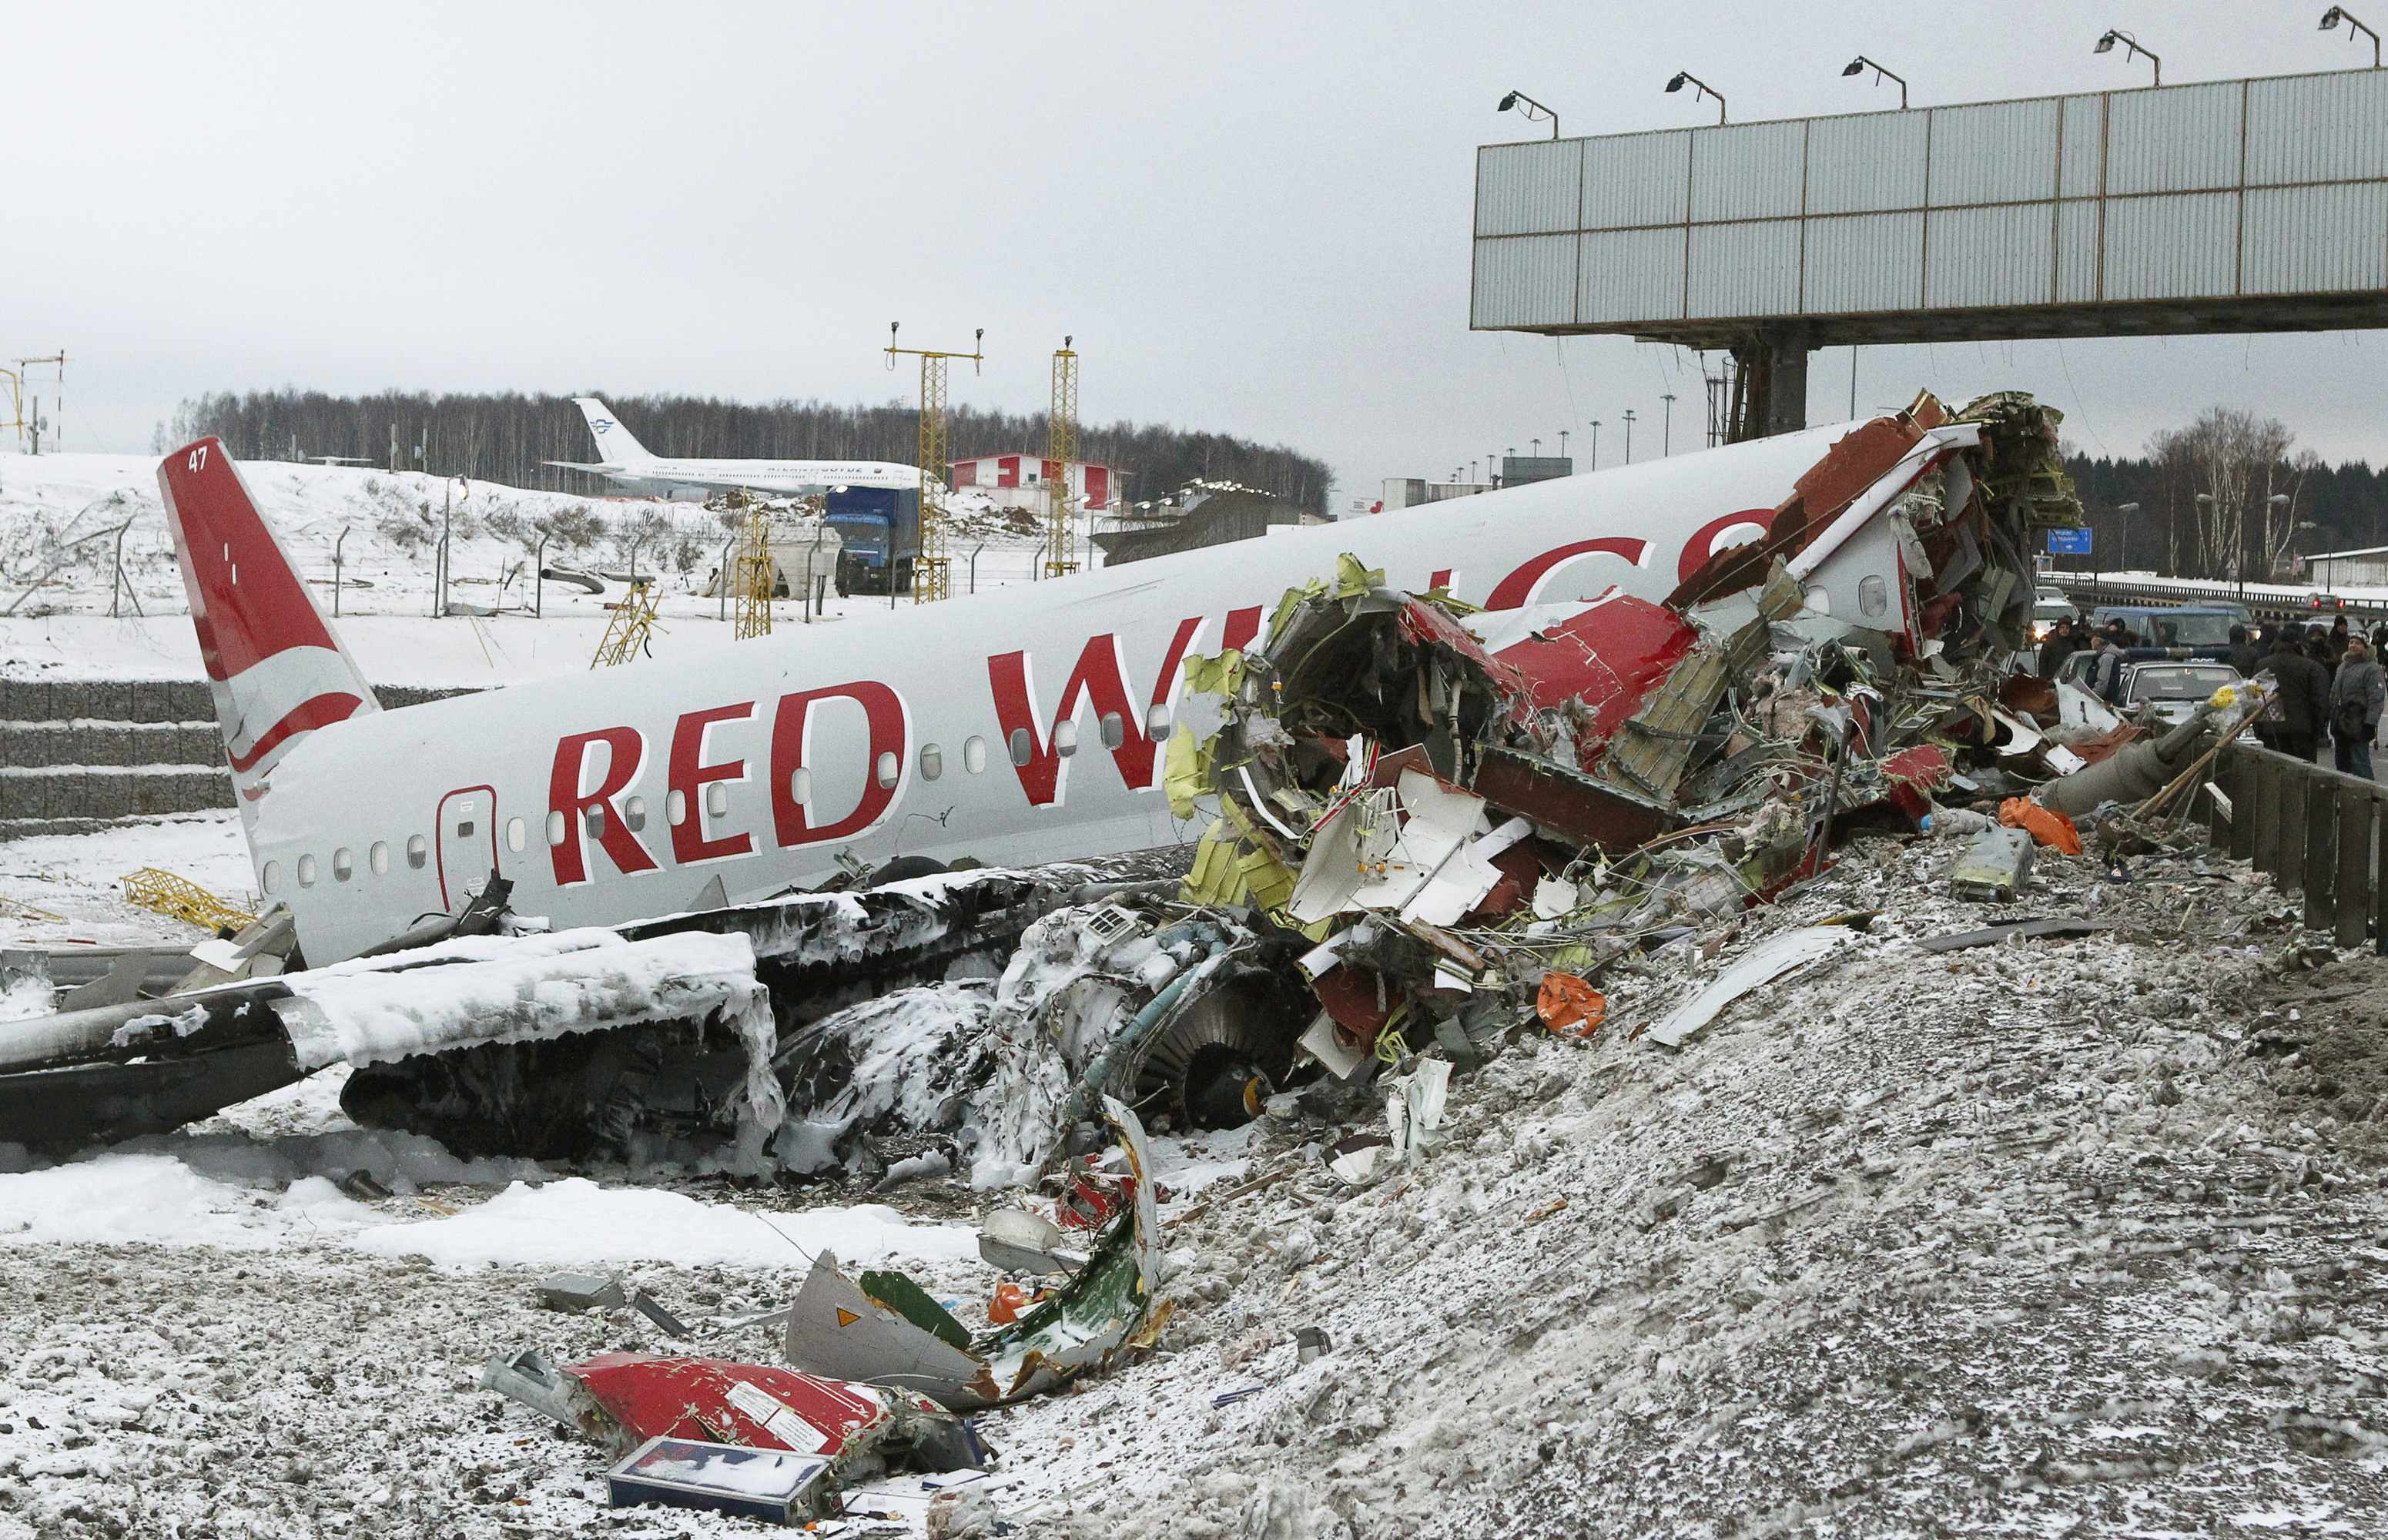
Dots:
{"x": 467, "y": 842}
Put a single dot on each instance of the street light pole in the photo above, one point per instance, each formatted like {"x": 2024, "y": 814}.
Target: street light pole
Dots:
{"x": 1667, "y": 426}
{"x": 1629, "y": 435}
{"x": 1595, "y": 443}
{"x": 2131, "y": 47}
{"x": 1699, "y": 88}
{"x": 1861, "y": 64}
{"x": 2336, "y": 14}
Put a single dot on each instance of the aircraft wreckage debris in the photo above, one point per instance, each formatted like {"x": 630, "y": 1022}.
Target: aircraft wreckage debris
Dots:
{"x": 1427, "y": 830}
{"x": 1426, "y": 825}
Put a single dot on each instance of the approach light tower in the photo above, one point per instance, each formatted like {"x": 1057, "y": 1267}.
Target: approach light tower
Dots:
{"x": 1061, "y": 448}
{"x": 933, "y": 568}
{"x": 754, "y": 575}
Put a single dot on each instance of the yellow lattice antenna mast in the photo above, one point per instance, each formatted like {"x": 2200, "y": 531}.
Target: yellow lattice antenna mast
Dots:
{"x": 933, "y": 568}
{"x": 754, "y": 577}
{"x": 633, "y": 622}
{"x": 1060, "y": 449}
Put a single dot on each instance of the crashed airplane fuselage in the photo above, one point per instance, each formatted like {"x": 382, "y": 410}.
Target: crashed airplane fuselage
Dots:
{"x": 1595, "y": 705}
{"x": 1020, "y": 726}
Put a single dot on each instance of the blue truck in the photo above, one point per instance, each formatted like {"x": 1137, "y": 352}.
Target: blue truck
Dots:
{"x": 880, "y": 527}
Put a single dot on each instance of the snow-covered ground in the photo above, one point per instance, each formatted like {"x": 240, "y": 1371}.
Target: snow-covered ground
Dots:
{"x": 62, "y": 630}
{"x": 2070, "y": 1238}
{"x": 62, "y": 890}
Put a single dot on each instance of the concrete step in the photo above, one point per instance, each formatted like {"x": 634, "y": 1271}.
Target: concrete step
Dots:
{"x": 110, "y": 791}
{"x": 30, "y": 744}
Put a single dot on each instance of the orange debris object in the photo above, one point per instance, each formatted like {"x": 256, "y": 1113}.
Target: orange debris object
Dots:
{"x": 2046, "y": 826}
{"x": 1010, "y": 1300}
{"x": 1568, "y": 1006}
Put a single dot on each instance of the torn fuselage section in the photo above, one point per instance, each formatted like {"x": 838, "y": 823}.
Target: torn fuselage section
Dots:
{"x": 1452, "y": 806}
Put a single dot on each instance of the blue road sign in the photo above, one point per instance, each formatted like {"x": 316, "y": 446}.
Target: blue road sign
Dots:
{"x": 2068, "y": 543}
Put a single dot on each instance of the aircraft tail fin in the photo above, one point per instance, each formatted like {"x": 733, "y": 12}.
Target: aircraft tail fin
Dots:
{"x": 614, "y": 442}
{"x": 274, "y": 666}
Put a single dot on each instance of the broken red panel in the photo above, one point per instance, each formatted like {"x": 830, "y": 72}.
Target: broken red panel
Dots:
{"x": 1431, "y": 625}
{"x": 1567, "y": 804}
{"x": 720, "y": 1402}
{"x": 1609, "y": 656}
{"x": 1862, "y": 457}
{"x": 2029, "y": 694}
{"x": 1352, "y": 995}
{"x": 1911, "y": 776}
{"x": 1520, "y": 869}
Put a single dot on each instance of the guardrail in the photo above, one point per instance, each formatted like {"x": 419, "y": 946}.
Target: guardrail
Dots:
{"x": 2315, "y": 831}
{"x": 2267, "y": 606}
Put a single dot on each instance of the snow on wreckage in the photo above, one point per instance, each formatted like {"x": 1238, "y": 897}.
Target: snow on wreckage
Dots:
{"x": 1429, "y": 826}
{"x": 1428, "y": 822}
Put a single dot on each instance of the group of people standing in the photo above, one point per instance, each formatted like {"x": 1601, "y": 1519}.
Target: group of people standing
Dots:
{"x": 2328, "y": 684}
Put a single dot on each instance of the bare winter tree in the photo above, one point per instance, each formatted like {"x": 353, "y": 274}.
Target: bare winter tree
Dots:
{"x": 2229, "y": 463}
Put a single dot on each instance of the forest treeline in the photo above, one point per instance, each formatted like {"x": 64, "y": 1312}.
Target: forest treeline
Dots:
{"x": 2230, "y": 495}
{"x": 505, "y": 438}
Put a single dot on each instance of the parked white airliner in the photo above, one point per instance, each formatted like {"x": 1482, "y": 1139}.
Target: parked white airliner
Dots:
{"x": 628, "y": 465}
{"x": 1017, "y": 726}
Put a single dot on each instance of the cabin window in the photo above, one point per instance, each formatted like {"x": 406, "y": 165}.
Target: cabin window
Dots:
{"x": 273, "y": 877}
{"x": 378, "y": 857}
{"x": 306, "y": 872}
{"x": 800, "y": 787}
{"x": 887, "y": 767}
{"x": 1065, "y": 738}
{"x": 1873, "y": 595}
{"x": 933, "y": 761}
{"x": 1023, "y": 748}
{"x": 418, "y": 850}
{"x": 593, "y": 818}
{"x": 514, "y": 840}
{"x": 634, "y": 813}
{"x": 676, "y": 808}
{"x": 717, "y": 799}
{"x": 974, "y": 755}
{"x": 1114, "y": 729}
{"x": 554, "y": 830}
{"x": 1156, "y": 723}
{"x": 344, "y": 864}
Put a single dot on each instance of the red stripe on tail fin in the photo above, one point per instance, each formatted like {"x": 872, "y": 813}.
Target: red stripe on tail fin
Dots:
{"x": 276, "y": 670}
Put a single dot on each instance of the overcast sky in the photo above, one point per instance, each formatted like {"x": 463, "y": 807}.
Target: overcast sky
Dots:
{"x": 1253, "y": 218}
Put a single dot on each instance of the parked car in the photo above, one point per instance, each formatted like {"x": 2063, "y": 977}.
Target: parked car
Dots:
{"x": 2198, "y": 627}
{"x": 2162, "y": 693}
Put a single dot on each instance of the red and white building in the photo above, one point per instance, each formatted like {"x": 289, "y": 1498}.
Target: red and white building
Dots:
{"x": 1090, "y": 484}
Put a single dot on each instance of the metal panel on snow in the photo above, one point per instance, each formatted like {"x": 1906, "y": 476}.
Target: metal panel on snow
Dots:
{"x": 1865, "y": 164}
{"x": 1744, "y": 269}
{"x": 2317, "y": 128}
{"x": 2183, "y": 138}
{"x": 2083, "y": 147}
{"x": 1996, "y": 256}
{"x": 1747, "y": 170}
{"x": 2305, "y": 239}
{"x": 2001, "y": 152}
{"x": 1632, "y": 179}
{"x": 2176, "y": 247}
{"x": 1632, "y": 274}
{"x": 1529, "y": 189}
{"x": 1524, "y": 281}
{"x": 1864, "y": 262}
